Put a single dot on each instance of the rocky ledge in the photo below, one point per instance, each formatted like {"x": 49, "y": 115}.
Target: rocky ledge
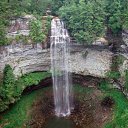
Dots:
{"x": 26, "y": 58}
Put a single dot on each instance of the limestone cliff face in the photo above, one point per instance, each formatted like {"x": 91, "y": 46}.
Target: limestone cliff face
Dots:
{"x": 25, "y": 59}
{"x": 91, "y": 62}
{"x": 124, "y": 66}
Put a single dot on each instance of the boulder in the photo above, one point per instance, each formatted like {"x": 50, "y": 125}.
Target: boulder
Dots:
{"x": 101, "y": 41}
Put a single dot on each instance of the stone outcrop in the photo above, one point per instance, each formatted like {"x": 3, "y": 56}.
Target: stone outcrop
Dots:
{"x": 19, "y": 26}
{"x": 124, "y": 65}
{"x": 91, "y": 62}
{"x": 26, "y": 58}
{"x": 125, "y": 37}
{"x": 101, "y": 41}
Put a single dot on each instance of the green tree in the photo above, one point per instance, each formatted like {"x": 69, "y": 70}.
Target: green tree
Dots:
{"x": 36, "y": 33}
{"x": 55, "y": 5}
{"x": 5, "y": 13}
{"x": 39, "y": 6}
{"x": 85, "y": 19}
{"x": 8, "y": 9}
{"x": 7, "y": 89}
{"x": 8, "y": 83}
{"x": 88, "y": 19}
{"x": 116, "y": 19}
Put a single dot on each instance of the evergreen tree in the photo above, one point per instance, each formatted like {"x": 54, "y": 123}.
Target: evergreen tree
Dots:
{"x": 8, "y": 83}
{"x": 7, "y": 89}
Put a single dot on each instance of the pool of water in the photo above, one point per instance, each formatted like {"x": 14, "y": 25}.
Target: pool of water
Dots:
{"x": 59, "y": 123}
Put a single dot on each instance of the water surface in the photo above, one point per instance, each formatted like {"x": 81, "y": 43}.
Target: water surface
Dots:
{"x": 59, "y": 123}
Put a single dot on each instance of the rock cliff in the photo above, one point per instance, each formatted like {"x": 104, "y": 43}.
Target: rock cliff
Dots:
{"x": 26, "y": 58}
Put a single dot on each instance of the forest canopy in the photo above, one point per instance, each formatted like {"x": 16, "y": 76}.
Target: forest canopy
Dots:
{"x": 85, "y": 19}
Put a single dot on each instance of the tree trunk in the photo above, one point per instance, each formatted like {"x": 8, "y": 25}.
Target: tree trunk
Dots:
{"x": 115, "y": 39}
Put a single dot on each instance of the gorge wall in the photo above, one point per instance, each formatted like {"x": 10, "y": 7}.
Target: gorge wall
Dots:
{"x": 26, "y": 58}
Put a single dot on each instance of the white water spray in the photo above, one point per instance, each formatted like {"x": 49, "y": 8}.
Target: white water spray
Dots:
{"x": 62, "y": 85}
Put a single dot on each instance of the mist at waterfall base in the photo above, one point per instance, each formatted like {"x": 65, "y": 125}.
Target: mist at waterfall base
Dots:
{"x": 62, "y": 81}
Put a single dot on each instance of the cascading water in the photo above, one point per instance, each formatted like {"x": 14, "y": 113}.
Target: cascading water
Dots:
{"x": 62, "y": 85}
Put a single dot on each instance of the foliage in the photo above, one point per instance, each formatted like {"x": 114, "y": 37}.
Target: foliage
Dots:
{"x": 36, "y": 33}
{"x": 104, "y": 86}
{"x": 113, "y": 74}
{"x": 8, "y": 9}
{"x": 47, "y": 25}
{"x": 8, "y": 75}
{"x": 84, "y": 19}
{"x": 4, "y": 15}
{"x": 8, "y": 88}
{"x": 11, "y": 89}
{"x": 88, "y": 19}
{"x": 21, "y": 109}
{"x": 39, "y": 6}
{"x": 116, "y": 14}
{"x": 16, "y": 8}
{"x": 120, "y": 110}
{"x": 55, "y": 5}
{"x": 39, "y": 31}
{"x": 30, "y": 79}
{"x": 3, "y": 39}
{"x": 117, "y": 61}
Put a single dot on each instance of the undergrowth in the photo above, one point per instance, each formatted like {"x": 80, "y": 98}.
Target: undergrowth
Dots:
{"x": 11, "y": 89}
{"x": 19, "y": 114}
{"x": 30, "y": 79}
{"x": 120, "y": 110}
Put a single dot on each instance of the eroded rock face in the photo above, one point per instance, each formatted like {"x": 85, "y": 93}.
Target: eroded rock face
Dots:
{"x": 125, "y": 36}
{"x": 91, "y": 62}
{"x": 124, "y": 66}
{"x": 25, "y": 59}
{"x": 19, "y": 26}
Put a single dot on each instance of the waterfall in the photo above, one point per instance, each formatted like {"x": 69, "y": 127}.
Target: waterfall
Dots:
{"x": 62, "y": 83}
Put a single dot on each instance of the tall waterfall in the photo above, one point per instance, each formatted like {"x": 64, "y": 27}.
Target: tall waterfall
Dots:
{"x": 62, "y": 85}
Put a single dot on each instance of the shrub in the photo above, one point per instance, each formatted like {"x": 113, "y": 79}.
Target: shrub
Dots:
{"x": 120, "y": 110}
{"x": 36, "y": 33}
{"x": 7, "y": 89}
{"x": 113, "y": 74}
{"x": 11, "y": 89}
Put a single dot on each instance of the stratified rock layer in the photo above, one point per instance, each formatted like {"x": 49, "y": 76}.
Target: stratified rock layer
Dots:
{"x": 25, "y": 59}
